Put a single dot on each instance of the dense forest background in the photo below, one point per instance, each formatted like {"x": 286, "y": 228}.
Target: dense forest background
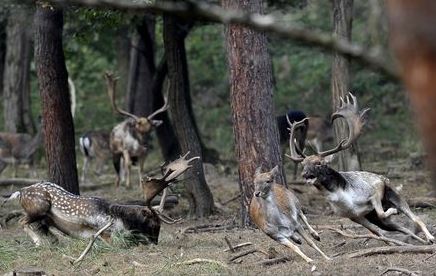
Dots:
{"x": 301, "y": 74}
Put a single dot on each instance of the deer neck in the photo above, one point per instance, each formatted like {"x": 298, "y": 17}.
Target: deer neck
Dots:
{"x": 153, "y": 188}
{"x": 331, "y": 180}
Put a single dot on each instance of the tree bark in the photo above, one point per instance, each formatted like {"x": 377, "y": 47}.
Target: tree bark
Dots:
{"x": 413, "y": 41}
{"x": 122, "y": 44}
{"x": 198, "y": 193}
{"x": 16, "y": 85}
{"x": 142, "y": 68}
{"x": 340, "y": 81}
{"x": 53, "y": 86}
{"x": 3, "y": 22}
{"x": 251, "y": 96}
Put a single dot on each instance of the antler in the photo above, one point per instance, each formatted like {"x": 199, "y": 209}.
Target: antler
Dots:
{"x": 160, "y": 110}
{"x": 111, "y": 83}
{"x": 355, "y": 120}
{"x": 177, "y": 167}
{"x": 296, "y": 154}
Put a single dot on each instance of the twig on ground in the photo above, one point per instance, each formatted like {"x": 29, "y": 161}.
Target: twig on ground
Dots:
{"x": 402, "y": 270}
{"x": 429, "y": 257}
{"x": 366, "y": 236}
{"x": 339, "y": 245}
{"x": 344, "y": 226}
{"x": 135, "y": 263}
{"x": 231, "y": 199}
{"x": 238, "y": 246}
{"x": 206, "y": 228}
{"x": 248, "y": 252}
{"x": 229, "y": 244}
{"x": 274, "y": 261}
{"x": 201, "y": 260}
{"x": 91, "y": 242}
{"x": 423, "y": 249}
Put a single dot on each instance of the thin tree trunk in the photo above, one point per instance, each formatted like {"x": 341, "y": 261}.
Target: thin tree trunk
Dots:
{"x": 251, "y": 95}
{"x": 53, "y": 85}
{"x": 3, "y": 23}
{"x": 142, "y": 68}
{"x": 199, "y": 195}
{"x": 340, "y": 81}
{"x": 16, "y": 89}
{"x": 413, "y": 41}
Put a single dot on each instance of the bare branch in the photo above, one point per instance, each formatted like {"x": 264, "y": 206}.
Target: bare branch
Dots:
{"x": 402, "y": 270}
{"x": 366, "y": 236}
{"x": 239, "y": 246}
{"x": 423, "y": 249}
{"x": 200, "y": 260}
{"x": 263, "y": 23}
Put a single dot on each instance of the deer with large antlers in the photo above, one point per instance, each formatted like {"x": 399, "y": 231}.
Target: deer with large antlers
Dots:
{"x": 47, "y": 205}
{"x": 128, "y": 140}
{"x": 363, "y": 197}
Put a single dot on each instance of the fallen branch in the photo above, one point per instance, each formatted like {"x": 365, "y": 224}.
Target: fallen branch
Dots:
{"x": 245, "y": 253}
{"x": 201, "y": 260}
{"x": 238, "y": 246}
{"x": 19, "y": 182}
{"x": 402, "y": 270}
{"x": 262, "y": 23}
{"x": 229, "y": 244}
{"x": 422, "y": 202}
{"x": 91, "y": 242}
{"x": 206, "y": 228}
{"x": 422, "y": 249}
{"x": 274, "y": 261}
{"x": 366, "y": 236}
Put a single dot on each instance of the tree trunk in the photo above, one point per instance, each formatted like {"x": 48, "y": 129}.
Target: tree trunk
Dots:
{"x": 251, "y": 96}
{"x": 168, "y": 142}
{"x": 199, "y": 195}
{"x": 142, "y": 68}
{"x": 413, "y": 41}
{"x": 53, "y": 86}
{"x": 340, "y": 81}
{"x": 16, "y": 89}
{"x": 3, "y": 22}
{"x": 122, "y": 45}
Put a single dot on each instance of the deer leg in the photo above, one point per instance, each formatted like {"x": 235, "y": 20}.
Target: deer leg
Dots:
{"x": 311, "y": 230}
{"x": 284, "y": 241}
{"x": 140, "y": 169}
{"x": 126, "y": 160}
{"x": 84, "y": 168}
{"x": 402, "y": 229}
{"x": 376, "y": 203}
{"x": 418, "y": 222}
{"x": 368, "y": 225}
{"x": 306, "y": 237}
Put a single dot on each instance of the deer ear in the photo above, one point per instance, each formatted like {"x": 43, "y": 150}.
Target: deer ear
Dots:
{"x": 275, "y": 170}
{"x": 329, "y": 159}
{"x": 258, "y": 170}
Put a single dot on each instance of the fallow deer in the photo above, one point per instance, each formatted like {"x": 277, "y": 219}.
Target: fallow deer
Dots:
{"x": 47, "y": 205}
{"x": 363, "y": 197}
{"x": 18, "y": 148}
{"x": 94, "y": 145}
{"x": 277, "y": 212}
{"x": 128, "y": 139}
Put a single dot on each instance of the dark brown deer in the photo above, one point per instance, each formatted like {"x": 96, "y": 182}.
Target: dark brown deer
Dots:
{"x": 129, "y": 139}
{"x": 94, "y": 145}
{"x": 18, "y": 148}
{"x": 363, "y": 197}
{"x": 277, "y": 212}
{"x": 47, "y": 205}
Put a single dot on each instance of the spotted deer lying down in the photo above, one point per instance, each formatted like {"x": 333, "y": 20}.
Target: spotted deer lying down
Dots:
{"x": 277, "y": 212}
{"x": 363, "y": 197}
{"x": 47, "y": 205}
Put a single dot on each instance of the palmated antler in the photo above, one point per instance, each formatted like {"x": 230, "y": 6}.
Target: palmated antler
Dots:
{"x": 177, "y": 167}
{"x": 111, "y": 83}
{"x": 296, "y": 154}
{"x": 355, "y": 119}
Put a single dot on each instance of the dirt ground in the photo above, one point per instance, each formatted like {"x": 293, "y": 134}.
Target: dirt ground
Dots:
{"x": 175, "y": 247}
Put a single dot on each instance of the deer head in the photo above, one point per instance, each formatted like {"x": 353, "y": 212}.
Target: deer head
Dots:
{"x": 142, "y": 124}
{"x": 263, "y": 181}
{"x": 153, "y": 186}
{"x": 315, "y": 167}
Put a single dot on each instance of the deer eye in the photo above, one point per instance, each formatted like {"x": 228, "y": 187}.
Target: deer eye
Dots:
{"x": 269, "y": 181}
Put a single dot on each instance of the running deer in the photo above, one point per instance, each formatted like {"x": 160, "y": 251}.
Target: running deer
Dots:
{"x": 363, "y": 197}
{"x": 277, "y": 212}
{"x": 18, "y": 148}
{"x": 94, "y": 145}
{"x": 47, "y": 205}
{"x": 129, "y": 139}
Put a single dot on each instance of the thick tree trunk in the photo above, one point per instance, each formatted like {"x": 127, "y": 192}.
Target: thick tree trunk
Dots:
{"x": 413, "y": 41}
{"x": 122, "y": 45}
{"x": 251, "y": 95}
{"x": 16, "y": 85}
{"x": 199, "y": 195}
{"x": 53, "y": 86}
{"x": 142, "y": 68}
{"x": 3, "y": 22}
{"x": 168, "y": 142}
{"x": 340, "y": 81}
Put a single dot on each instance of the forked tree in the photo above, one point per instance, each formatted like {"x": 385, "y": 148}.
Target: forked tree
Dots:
{"x": 251, "y": 95}
{"x": 340, "y": 80}
{"x": 53, "y": 87}
{"x": 198, "y": 193}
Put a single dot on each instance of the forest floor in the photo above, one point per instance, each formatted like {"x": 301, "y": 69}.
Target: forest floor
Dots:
{"x": 176, "y": 245}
